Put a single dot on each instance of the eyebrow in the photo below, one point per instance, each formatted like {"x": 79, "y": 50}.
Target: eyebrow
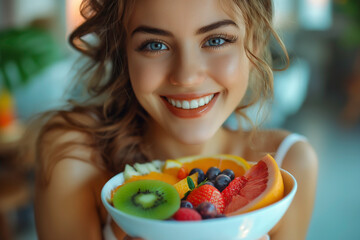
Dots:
{"x": 216, "y": 25}
{"x": 151, "y": 30}
{"x": 202, "y": 30}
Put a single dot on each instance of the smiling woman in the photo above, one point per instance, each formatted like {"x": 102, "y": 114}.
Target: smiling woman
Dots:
{"x": 175, "y": 71}
{"x": 199, "y": 61}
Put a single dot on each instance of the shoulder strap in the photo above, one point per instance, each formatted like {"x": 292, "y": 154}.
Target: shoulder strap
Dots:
{"x": 285, "y": 146}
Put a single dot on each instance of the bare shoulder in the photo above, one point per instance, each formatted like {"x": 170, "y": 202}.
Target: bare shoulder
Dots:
{"x": 252, "y": 145}
{"x": 302, "y": 162}
{"x": 300, "y": 154}
{"x": 301, "y": 157}
{"x": 68, "y": 154}
{"x": 60, "y": 139}
{"x": 67, "y": 203}
{"x": 68, "y": 206}
{"x": 270, "y": 139}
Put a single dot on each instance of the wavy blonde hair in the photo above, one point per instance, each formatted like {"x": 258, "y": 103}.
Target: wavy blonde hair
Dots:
{"x": 257, "y": 16}
{"x": 115, "y": 122}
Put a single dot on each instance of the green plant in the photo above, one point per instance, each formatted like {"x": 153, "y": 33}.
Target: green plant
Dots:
{"x": 23, "y": 54}
{"x": 351, "y": 8}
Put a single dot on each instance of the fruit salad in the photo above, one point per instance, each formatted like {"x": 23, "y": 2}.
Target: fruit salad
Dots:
{"x": 198, "y": 188}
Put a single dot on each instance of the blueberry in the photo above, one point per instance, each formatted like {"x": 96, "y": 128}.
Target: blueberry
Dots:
{"x": 222, "y": 181}
{"x": 201, "y": 176}
{"x": 220, "y": 216}
{"x": 230, "y": 173}
{"x": 209, "y": 183}
{"x": 185, "y": 204}
{"x": 212, "y": 173}
{"x": 207, "y": 210}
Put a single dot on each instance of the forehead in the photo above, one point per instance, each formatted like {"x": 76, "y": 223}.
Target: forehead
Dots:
{"x": 182, "y": 15}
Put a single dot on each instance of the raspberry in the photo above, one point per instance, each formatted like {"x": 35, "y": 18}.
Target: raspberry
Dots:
{"x": 187, "y": 214}
{"x": 233, "y": 189}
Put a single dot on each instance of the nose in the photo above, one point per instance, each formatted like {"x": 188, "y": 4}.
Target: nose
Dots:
{"x": 187, "y": 69}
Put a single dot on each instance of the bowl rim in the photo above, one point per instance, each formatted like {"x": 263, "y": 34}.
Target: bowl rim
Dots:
{"x": 104, "y": 199}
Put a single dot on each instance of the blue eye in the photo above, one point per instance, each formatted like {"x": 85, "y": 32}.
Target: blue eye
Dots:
{"x": 155, "y": 46}
{"x": 214, "y": 42}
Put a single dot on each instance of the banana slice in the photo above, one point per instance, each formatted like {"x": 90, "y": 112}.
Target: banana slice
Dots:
{"x": 129, "y": 172}
{"x": 151, "y": 167}
{"x": 158, "y": 164}
{"x": 141, "y": 168}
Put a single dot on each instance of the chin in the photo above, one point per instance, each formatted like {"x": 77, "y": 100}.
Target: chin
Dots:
{"x": 194, "y": 137}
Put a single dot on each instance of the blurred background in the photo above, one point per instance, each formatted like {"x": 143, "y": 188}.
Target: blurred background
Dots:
{"x": 318, "y": 96}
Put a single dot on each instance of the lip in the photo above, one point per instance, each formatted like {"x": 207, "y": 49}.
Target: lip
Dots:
{"x": 188, "y": 97}
{"x": 190, "y": 113}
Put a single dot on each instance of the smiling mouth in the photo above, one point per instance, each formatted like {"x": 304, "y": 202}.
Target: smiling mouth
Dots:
{"x": 190, "y": 107}
{"x": 190, "y": 104}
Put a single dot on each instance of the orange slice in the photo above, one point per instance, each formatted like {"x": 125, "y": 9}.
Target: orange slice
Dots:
{"x": 264, "y": 186}
{"x": 172, "y": 167}
{"x": 182, "y": 186}
{"x": 222, "y": 161}
{"x": 155, "y": 176}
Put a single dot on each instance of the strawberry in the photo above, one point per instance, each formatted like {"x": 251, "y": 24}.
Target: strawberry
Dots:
{"x": 207, "y": 193}
{"x": 187, "y": 214}
{"x": 233, "y": 189}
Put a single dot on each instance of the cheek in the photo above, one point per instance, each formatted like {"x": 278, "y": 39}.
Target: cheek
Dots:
{"x": 230, "y": 70}
{"x": 146, "y": 75}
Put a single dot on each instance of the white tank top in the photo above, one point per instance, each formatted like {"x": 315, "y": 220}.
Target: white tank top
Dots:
{"x": 283, "y": 149}
{"x": 285, "y": 146}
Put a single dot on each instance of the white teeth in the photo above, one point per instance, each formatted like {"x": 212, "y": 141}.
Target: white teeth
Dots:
{"x": 193, "y": 104}
{"x": 185, "y": 105}
{"x": 207, "y": 99}
{"x": 201, "y": 102}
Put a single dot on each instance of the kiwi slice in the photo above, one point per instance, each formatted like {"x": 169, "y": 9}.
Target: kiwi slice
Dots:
{"x": 152, "y": 199}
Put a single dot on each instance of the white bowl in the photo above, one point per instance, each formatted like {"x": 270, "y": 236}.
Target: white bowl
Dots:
{"x": 249, "y": 226}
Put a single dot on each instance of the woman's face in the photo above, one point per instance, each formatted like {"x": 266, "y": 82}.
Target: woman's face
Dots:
{"x": 187, "y": 65}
